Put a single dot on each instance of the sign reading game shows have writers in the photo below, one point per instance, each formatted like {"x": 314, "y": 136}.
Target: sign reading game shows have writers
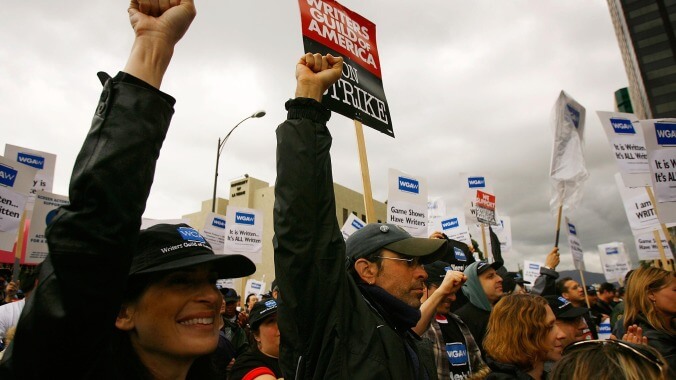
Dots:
{"x": 330, "y": 28}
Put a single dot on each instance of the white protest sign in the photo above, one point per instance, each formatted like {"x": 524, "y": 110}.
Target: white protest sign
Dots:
{"x": 214, "y": 232}
{"x": 43, "y": 162}
{"x": 625, "y": 136}
{"x": 455, "y": 228}
{"x": 503, "y": 229}
{"x": 575, "y": 246}
{"x": 16, "y": 181}
{"x": 352, "y": 224}
{"x": 646, "y": 245}
{"x": 614, "y": 261}
{"x": 471, "y": 183}
{"x": 254, "y": 287}
{"x": 660, "y": 140}
{"x": 407, "y": 202}
{"x": 485, "y": 207}
{"x": 637, "y": 205}
{"x": 531, "y": 271}
{"x": 44, "y": 210}
{"x": 244, "y": 233}
{"x": 436, "y": 209}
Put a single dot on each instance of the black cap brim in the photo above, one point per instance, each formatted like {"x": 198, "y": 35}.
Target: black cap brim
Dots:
{"x": 227, "y": 266}
{"x": 573, "y": 313}
{"x": 429, "y": 250}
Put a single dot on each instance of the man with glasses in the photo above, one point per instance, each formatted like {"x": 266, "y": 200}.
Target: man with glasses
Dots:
{"x": 346, "y": 308}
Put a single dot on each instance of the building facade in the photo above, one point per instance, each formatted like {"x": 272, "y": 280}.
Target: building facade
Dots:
{"x": 646, "y": 34}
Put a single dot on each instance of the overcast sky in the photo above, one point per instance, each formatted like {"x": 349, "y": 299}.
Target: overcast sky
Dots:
{"x": 470, "y": 85}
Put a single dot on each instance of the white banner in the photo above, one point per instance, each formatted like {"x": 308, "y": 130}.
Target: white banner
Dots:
{"x": 531, "y": 271}
{"x": 244, "y": 233}
{"x": 614, "y": 261}
{"x": 625, "y": 136}
{"x": 407, "y": 202}
{"x": 455, "y": 228}
{"x": 660, "y": 139}
{"x": 575, "y": 246}
{"x": 637, "y": 205}
{"x": 646, "y": 246}
{"x": 253, "y": 287}
{"x": 214, "y": 232}
{"x": 352, "y": 224}
{"x": 43, "y": 162}
{"x": 16, "y": 181}
{"x": 44, "y": 210}
{"x": 470, "y": 183}
{"x": 504, "y": 232}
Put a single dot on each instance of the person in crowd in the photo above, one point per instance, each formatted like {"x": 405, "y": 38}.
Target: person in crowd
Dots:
{"x": 260, "y": 361}
{"x": 251, "y": 300}
{"x": 483, "y": 288}
{"x": 122, "y": 303}
{"x": 545, "y": 284}
{"x": 606, "y": 299}
{"x": 616, "y": 318}
{"x": 234, "y": 322}
{"x": 522, "y": 335}
{"x": 459, "y": 256}
{"x": 513, "y": 283}
{"x": 10, "y": 312}
{"x": 650, "y": 303}
{"x": 5, "y": 279}
{"x": 592, "y": 301}
{"x": 610, "y": 360}
{"x": 569, "y": 318}
{"x": 445, "y": 338}
{"x": 574, "y": 293}
{"x": 347, "y": 307}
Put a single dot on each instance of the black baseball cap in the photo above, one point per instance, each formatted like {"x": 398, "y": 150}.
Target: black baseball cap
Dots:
{"x": 563, "y": 309}
{"x": 483, "y": 266}
{"x": 261, "y": 310}
{"x": 6, "y": 273}
{"x": 591, "y": 290}
{"x": 375, "y": 236}
{"x": 436, "y": 271}
{"x": 165, "y": 247}
{"x": 229, "y": 294}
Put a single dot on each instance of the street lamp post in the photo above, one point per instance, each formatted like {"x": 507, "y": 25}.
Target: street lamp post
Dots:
{"x": 219, "y": 150}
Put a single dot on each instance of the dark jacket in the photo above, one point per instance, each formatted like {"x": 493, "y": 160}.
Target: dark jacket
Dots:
{"x": 67, "y": 325}
{"x": 662, "y": 341}
{"x": 502, "y": 371}
{"x": 328, "y": 329}
{"x": 545, "y": 284}
{"x": 476, "y": 320}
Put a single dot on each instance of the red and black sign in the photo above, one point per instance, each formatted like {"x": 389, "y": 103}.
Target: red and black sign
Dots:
{"x": 330, "y": 28}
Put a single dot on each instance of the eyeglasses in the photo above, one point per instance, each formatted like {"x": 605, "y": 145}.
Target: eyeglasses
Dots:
{"x": 633, "y": 348}
{"x": 412, "y": 262}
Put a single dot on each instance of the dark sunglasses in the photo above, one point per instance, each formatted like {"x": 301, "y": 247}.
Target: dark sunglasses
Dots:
{"x": 412, "y": 262}
{"x": 630, "y": 347}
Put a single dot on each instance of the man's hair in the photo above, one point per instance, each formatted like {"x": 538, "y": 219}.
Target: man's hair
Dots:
{"x": 561, "y": 286}
{"x": 607, "y": 361}
{"x": 637, "y": 303}
{"x": 517, "y": 331}
{"x": 606, "y": 287}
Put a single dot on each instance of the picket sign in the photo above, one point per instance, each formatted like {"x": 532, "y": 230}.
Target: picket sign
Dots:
{"x": 660, "y": 247}
{"x": 365, "y": 176}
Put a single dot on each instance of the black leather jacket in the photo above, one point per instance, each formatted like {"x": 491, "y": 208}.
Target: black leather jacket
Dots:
{"x": 328, "y": 329}
{"x": 67, "y": 324}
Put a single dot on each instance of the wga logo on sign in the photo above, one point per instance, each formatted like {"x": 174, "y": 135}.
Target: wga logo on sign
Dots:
{"x": 612, "y": 251}
{"x": 409, "y": 185}
{"x": 622, "y": 126}
{"x": 190, "y": 234}
{"x": 457, "y": 353}
{"x": 571, "y": 229}
{"x": 449, "y": 223}
{"x": 31, "y": 160}
{"x": 476, "y": 182}
{"x": 357, "y": 224}
{"x": 7, "y": 176}
{"x": 533, "y": 266}
{"x": 459, "y": 254}
{"x": 666, "y": 133}
{"x": 218, "y": 222}
{"x": 244, "y": 218}
{"x": 574, "y": 115}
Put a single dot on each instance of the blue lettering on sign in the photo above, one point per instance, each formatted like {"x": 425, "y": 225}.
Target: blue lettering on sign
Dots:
{"x": 255, "y": 285}
{"x": 7, "y": 176}
{"x": 357, "y": 224}
{"x": 457, "y": 353}
{"x": 574, "y": 115}
{"x": 622, "y": 126}
{"x": 533, "y": 266}
{"x": 612, "y": 251}
{"x": 244, "y": 218}
{"x": 190, "y": 234}
{"x": 571, "y": 229}
{"x": 450, "y": 223}
{"x": 459, "y": 254}
{"x": 604, "y": 328}
{"x": 409, "y": 185}
{"x": 218, "y": 222}
{"x": 666, "y": 133}
{"x": 31, "y": 160}
{"x": 476, "y": 182}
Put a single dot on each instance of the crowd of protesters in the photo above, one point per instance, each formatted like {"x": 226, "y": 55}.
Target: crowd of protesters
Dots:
{"x": 380, "y": 305}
